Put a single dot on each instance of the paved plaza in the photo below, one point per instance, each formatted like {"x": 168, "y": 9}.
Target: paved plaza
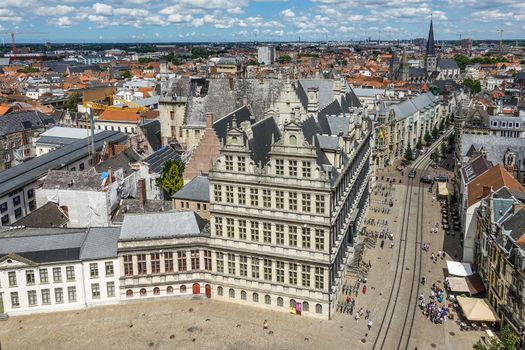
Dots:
{"x": 190, "y": 323}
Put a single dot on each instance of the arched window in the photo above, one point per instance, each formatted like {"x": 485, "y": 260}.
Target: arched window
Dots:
{"x": 267, "y": 299}
{"x": 219, "y": 291}
{"x": 292, "y": 303}
{"x": 243, "y": 295}
{"x": 183, "y": 289}
{"x": 292, "y": 140}
{"x": 255, "y": 297}
{"x": 129, "y": 293}
{"x": 232, "y": 293}
{"x": 280, "y": 301}
{"x": 156, "y": 291}
{"x": 319, "y": 308}
{"x": 143, "y": 292}
{"x": 306, "y": 306}
{"x": 169, "y": 290}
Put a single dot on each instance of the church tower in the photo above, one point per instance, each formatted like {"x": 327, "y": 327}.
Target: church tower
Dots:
{"x": 430, "y": 57}
{"x": 404, "y": 69}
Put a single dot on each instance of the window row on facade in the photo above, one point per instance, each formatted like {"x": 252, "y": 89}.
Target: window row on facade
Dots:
{"x": 166, "y": 262}
{"x": 56, "y": 274}
{"x": 267, "y": 299}
{"x": 50, "y": 296}
{"x": 271, "y": 199}
{"x": 266, "y": 232}
{"x": 283, "y": 167}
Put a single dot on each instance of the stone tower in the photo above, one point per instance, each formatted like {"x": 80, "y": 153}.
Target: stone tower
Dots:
{"x": 430, "y": 57}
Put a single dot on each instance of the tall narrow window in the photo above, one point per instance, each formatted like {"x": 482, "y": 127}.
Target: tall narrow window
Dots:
{"x": 267, "y": 268}
{"x": 59, "y": 295}
{"x": 195, "y": 259}
{"x": 230, "y": 228}
{"x": 241, "y": 195}
{"x": 93, "y": 270}
{"x": 306, "y": 169}
{"x": 57, "y": 274}
{"x": 255, "y": 268}
{"x": 31, "y": 297}
{"x": 229, "y": 163}
{"x": 109, "y": 268}
{"x": 319, "y": 204}
{"x": 15, "y": 301}
{"x": 181, "y": 259}
{"x": 279, "y": 167}
{"x": 241, "y": 164}
{"x": 155, "y": 262}
{"x": 44, "y": 278}
{"x": 207, "y": 260}
{"x": 46, "y": 296}
{"x": 319, "y": 239}
{"x": 254, "y": 197}
{"x": 292, "y": 168}
{"x": 267, "y": 233}
{"x": 305, "y": 277}
{"x": 229, "y": 194}
{"x": 128, "y": 265}
{"x": 243, "y": 265}
{"x": 319, "y": 278}
{"x": 279, "y": 199}
{"x": 242, "y": 229}
{"x": 292, "y": 236}
{"x": 279, "y": 271}
{"x": 292, "y": 201}
{"x": 306, "y": 237}
{"x": 254, "y": 231}
{"x": 217, "y": 193}
{"x": 267, "y": 198}
{"x": 220, "y": 262}
{"x": 306, "y": 204}
{"x": 279, "y": 234}
{"x": 168, "y": 261}
{"x": 292, "y": 274}
{"x": 30, "y": 277}
{"x": 231, "y": 264}
{"x": 218, "y": 226}
{"x": 12, "y": 278}
{"x": 141, "y": 264}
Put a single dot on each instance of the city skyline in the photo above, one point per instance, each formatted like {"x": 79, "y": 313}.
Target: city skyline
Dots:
{"x": 258, "y": 20}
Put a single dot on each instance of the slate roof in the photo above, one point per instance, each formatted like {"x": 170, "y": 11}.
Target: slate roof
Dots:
{"x": 430, "y": 42}
{"x": 29, "y": 171}
{"x": 100, "y": 243}
{"x": 133, "y": 206}
{"x": 4, "y": 61}
{"x": 48, "y": 215}
{"x": 54, "y": 141}
{"x": 412, "y": 106}
{"x": 161, "y": 225}
{"x": 447, "y": 63}
{"x": 198, "y": 189}
{"x": 327, "y": 142}
{"x": 123, "y": 161}
{"x": 417, "y": 72}
{"x": 515, "y": 225}
{"x": 156, "y": 160}
{"x": 260, "y": 144}
{"x": 240, "y": 115}
{"x": 494, "y": 146}
{"x": 500, "y": 207}
{"x": 475, "y": 168}
{"x": 151, "y": 130}
{"x": 23, "y": 120}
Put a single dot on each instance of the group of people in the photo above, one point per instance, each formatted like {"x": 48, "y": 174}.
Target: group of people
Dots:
{"x": 434, "y": 256}
{"x": 432, "y": 308}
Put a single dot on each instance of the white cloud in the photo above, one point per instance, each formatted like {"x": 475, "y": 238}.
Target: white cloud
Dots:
{"x": 64, "y": 22}
{"x": 59, "y": 10}
{"x": 288, "y": 13}
{"x": 102, "y": 9}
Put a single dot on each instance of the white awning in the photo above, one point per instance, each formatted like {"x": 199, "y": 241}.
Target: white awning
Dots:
{"x": 459, "y": 269}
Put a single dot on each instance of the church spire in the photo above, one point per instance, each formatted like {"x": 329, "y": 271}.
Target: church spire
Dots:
{"x": 430, "y": 41}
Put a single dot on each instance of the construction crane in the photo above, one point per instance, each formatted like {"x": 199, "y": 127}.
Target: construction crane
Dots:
{"x": 500, "y": 31}
{"x": 91, "y": 121}
{"x": 13, "y": 44}
{"x": 132, "y": 104}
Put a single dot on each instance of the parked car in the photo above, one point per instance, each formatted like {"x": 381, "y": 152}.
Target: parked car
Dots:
{"x": 426, "y": 179}
{"x": 412, "y": 174}
{"x": 441, "y": 178}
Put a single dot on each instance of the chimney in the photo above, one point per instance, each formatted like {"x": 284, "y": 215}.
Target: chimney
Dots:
{"x": 313, "y": 99}
{"x": 245, "y": 100}
{"x": 141, "y": 192}
{"x": 209, "y": 120}
{"x": 487, "y": 190}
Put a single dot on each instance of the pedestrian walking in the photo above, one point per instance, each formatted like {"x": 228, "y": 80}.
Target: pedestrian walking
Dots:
{"x": 382, "y": 243}
{"x": 369, "y": 325}
{"x": 265, "y": 324}
{"x": 392, "y": 244}
{"x": 364, "y": 289}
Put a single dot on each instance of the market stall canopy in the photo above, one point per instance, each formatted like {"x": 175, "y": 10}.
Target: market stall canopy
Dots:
{"x": 475, "y": 284}
{"x": 458, "y": 284}
{"x": 459, "y": 269}
{"x": 442, "y": 189}
{"x": 476, "y": 309}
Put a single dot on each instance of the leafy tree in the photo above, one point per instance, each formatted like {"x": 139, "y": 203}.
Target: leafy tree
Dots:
{"x": 507, "y": 341}
{"x": 144, "y": 60}
{"x": 408, "y": 152}
{"x": 428, "y": 138}
{"x": 284, "y": 58}
{"x": 451, "y": 139}
{"x": 441, "y": 125}
{"x": 435, "y": 132}
{"x": 126, "y": 75}
{"x": 444, "y": 148}
{"x": 252, "y": 63}
{"x": 419, "y": 145}
{"x": 473, "y": 85}
{"x": 199, "y": 52}
{"x": 28, "y": 70}
{"x": 171, "y": 179}
{"x": 72, "y": 101}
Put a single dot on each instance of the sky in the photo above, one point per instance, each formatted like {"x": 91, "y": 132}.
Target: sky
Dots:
{"x": 261, "y": 20}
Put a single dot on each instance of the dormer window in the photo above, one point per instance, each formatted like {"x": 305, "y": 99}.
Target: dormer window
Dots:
{"x": 292, "y": 140}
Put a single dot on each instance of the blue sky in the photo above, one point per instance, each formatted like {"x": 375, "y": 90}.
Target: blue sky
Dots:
{"x": 264, "y": 20}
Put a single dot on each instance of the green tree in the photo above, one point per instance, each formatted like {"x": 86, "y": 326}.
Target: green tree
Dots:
{"x": 408, "y": 152}
{"x": 441, "y": 125}
{"x": 144, "y": 60}
{"x": 171, "y": 178}
{"x": 428, "y": 138}
{"x": 284, "y": 58}
{"x": 199, "y": 52}
{"x": 444, "y": 148}
{"x": 419, "y": 144}
{"x": 252, "y": 63}
{"x": 473, "y": 85}
{"x": 435, "y": 132}
{"x": 72, "y": 101}
{"x": 28, "y": 70}
{"x": 507, "y": 341}
{"x": 126, "y": 75}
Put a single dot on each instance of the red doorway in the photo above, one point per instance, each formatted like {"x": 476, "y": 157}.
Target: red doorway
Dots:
{"x": 196, "y": 288}
{"x": 208, "y": 291}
